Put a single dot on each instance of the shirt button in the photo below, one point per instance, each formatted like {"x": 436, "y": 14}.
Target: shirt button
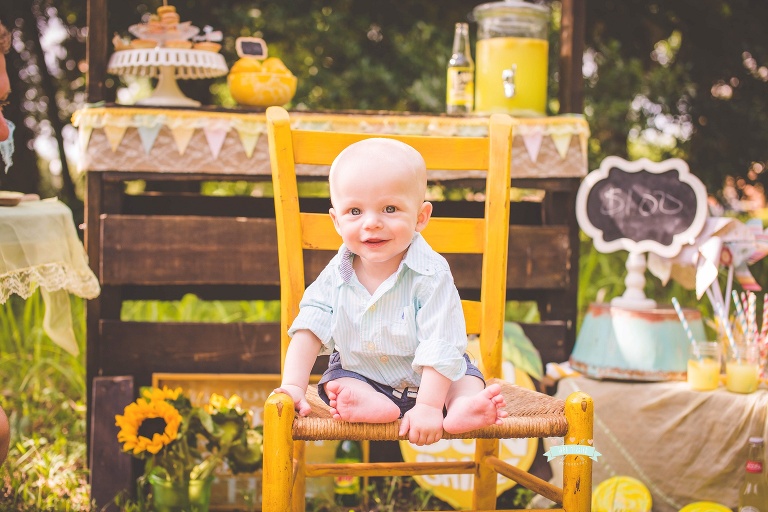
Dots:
{"x": 372, "y": 308}
{"x": 384, "y": 359}
{"x": 403, "y": 385}
{"x": 370, "y": 346}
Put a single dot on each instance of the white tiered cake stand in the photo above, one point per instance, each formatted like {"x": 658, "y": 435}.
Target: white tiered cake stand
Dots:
{"x": 167, "y": 65}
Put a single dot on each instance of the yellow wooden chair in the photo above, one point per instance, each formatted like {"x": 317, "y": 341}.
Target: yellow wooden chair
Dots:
{"x": 531, "y": 414}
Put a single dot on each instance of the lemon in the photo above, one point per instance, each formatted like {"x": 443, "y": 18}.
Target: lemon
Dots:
{"x": 246, "y": 65}
{"x": 621, "y": 493}
{"x": 275, "y": 65}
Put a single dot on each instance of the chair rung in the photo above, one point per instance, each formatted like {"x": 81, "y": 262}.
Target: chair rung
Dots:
{"x": 391, "y": 468}
{"x": 527, "y": 480}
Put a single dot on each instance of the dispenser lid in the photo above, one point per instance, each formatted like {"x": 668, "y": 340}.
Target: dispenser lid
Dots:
{"x": 510, "y": 8}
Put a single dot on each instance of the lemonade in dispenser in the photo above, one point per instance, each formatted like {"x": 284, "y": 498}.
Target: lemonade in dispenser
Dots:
{"x": 511, "y": 58}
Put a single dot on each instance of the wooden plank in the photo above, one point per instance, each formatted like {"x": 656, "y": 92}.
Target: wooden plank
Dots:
{"x": 141, "y": 249}
{"x": 241, "y": 251}
{"x": 96, "y": 50}
{"x": 110, "y": 468}
{"x": 133, "y": 348}
{"x": 549, "y": 338}
{"x": 572, "y": 28}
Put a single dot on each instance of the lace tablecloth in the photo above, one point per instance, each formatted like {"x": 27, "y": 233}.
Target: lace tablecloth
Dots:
{"x": 39, "y": 247}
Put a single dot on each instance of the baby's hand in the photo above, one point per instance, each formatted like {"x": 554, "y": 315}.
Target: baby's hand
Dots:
{"x": 299, "y": 399}
{"x": 423, "y": 423}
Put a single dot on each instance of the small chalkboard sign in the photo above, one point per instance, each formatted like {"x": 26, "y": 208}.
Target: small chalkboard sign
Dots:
{"x": 254, "y": 47}
{"x": 641, "y": 206}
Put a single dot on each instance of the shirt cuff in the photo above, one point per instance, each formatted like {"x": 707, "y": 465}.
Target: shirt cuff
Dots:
{"x": 317, "y": 321}
{"x": 444, "y": 358}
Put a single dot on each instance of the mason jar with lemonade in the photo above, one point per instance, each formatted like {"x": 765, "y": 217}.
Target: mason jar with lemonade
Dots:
{"x": 511, "y": 58}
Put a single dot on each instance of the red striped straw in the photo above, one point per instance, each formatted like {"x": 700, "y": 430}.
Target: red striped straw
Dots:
{"x": 764, "y": 324}
{"x": 751, "y": 318}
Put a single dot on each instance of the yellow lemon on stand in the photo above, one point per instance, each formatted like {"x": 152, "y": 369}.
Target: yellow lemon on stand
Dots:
{"x": 621, "y": 493}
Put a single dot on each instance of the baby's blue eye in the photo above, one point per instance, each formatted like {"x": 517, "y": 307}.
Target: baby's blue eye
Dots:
{"x": 390, "y": 209}
{"x": 355, "y": 211}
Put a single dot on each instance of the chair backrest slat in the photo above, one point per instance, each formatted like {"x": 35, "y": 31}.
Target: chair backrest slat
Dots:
{"x": 321, "y": 148}
{"x": 298, "y": 231}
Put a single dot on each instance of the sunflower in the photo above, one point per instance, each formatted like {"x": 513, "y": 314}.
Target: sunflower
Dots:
{"x": 160, "y": 394}
{"x": 147, "y": 426}
{"x": 217, "y": 403}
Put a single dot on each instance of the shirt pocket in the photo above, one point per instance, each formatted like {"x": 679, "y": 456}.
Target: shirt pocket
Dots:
{"x": 402, "y": 331}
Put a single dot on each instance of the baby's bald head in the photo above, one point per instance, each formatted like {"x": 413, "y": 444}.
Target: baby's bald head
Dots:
{"x": 371, "y": 160}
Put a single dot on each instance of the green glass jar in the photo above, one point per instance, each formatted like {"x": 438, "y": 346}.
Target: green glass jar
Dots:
{"x": 187, "y": 496}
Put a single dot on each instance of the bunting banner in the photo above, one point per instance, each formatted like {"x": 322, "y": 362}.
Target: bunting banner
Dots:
{"x": 247, "y": 128}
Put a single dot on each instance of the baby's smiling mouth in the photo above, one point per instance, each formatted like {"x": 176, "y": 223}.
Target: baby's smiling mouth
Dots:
{"x": 374, "y": 241}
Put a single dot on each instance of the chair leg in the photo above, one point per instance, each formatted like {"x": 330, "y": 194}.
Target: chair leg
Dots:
{"x": 300, "y": 480}
{"x": 278, "y": 453}
{"x": 484, "y": 492}
{"x": 577, "y": 469}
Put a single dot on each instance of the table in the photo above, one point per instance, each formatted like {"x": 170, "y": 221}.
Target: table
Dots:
{"x": 39, "y": 247}
{"x": 684, "y": 445}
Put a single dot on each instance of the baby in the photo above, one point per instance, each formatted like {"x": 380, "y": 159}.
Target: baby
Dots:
{"x": 386, "y": 309}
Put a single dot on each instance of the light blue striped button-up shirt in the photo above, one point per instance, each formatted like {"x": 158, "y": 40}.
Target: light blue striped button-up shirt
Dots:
{"x": 414, "y": 319}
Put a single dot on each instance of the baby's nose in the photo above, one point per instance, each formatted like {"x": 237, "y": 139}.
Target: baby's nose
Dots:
{"x": 372, "y": 220}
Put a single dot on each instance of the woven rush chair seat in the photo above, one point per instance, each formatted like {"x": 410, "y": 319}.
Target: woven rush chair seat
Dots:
{"x": 530, "y": 414}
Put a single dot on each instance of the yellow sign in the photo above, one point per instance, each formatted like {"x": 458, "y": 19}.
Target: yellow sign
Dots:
{"x": 456, "y": 490}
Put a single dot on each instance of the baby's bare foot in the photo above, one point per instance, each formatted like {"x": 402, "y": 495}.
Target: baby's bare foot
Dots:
{"x": 476, "y": 411}
{"x": 358, "y": 404}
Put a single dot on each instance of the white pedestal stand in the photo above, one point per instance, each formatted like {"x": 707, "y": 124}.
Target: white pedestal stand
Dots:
{"x": 168, "y": 65}
{"x": 634, "y": 296}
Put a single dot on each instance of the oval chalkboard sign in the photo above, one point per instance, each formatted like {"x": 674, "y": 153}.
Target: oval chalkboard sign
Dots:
{"x": 641, "y": 206}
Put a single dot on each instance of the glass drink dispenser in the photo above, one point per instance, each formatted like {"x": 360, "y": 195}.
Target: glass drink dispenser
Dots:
{"x": 511, "y": 58}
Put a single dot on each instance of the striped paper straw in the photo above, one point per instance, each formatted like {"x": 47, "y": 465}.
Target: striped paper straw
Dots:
{"x": 686, "y": 327}
{"x": 764, "y": 324}
{"x": 726, "y": 325}
{"x": 751, "y": 318}
{"x": 740, "y": 313}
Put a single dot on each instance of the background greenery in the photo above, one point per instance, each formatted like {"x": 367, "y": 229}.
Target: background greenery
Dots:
{"x": 662, "y": 78}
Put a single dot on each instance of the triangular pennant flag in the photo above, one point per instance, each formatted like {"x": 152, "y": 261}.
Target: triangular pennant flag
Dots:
{"x": 114, "y": 135}
{"x": 249, "y": 140}
{"x": 83, "y": 138}
{"x": 532, "y": 141}
{"x": 562, "y": 143}
{"x": 148, "y": 134}
{"x": 215, "y": 134}
{"x": 181, "y": 136}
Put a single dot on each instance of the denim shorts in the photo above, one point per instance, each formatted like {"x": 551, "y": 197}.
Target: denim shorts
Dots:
{"x": 405, "y": 399}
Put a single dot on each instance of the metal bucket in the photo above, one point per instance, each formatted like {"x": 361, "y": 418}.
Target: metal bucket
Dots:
{"x": 630, "y": 344}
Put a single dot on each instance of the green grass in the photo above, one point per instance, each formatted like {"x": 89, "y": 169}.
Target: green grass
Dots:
{"x": 43, "y": 394}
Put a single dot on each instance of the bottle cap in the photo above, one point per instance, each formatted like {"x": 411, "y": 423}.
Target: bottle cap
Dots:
{"x": 757, "y": 440}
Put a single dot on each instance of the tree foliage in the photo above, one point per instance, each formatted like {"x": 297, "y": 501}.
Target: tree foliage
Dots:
{"x": 667, "y": 78}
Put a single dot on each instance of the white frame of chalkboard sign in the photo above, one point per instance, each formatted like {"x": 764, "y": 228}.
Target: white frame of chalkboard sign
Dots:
{"x": 643, "y": 164}
{"x": 254, "y": 40}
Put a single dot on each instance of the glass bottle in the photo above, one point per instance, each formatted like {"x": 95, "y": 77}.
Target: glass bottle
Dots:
{"x": 753, "y": 496}
{"x": 347, "y": 488}
{"x": 460, "y": 89}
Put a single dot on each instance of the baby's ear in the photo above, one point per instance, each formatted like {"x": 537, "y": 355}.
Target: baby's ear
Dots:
{"x": 425, "y": 212}
{"x": 332, "y": 213}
